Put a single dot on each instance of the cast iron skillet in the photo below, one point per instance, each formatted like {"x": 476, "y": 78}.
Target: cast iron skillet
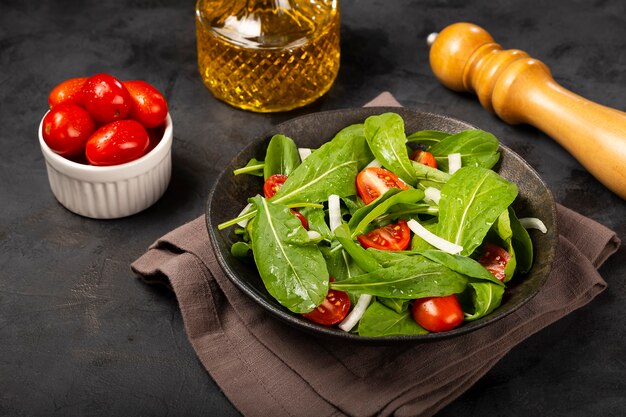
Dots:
{"x": 230, "y": 194}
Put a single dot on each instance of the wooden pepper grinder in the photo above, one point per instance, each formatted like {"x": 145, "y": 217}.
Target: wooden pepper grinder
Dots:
{"x": 520, "y": 89}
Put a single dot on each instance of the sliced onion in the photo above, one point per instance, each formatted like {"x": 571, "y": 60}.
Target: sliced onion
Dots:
{"x": 244, "y": 222}
{"x": 334, "y": 212}
{"x": 374, "y": 164}
{"x": 454, "y": 162}
{"x": 304, "y": 153}
{"x": 433, "y": 239}
{"x": 533, "y": 223}
{"x": 313, "y": 235}
{"x": 357, "y": 312}
{"x": 432, "y": 194}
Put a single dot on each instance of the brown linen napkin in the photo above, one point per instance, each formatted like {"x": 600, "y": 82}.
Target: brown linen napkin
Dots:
{"x": 268, "y": 368}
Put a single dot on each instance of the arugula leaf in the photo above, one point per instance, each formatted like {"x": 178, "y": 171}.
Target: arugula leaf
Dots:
{"x": 379, "y": 320}
{"x": 354, "y": 136}
{"x": 410, "y": 279}
{"x": 388, "y": 258}
{"x": 502, "y": 227}
{"x": 329, "y": 170}
{"x": 462, "y": 265}
{"x": 362, "y": 258}
{"x": 477, "y": 148}
{"x": 240, "y": 250}
{"x": 429, "y": 177}
{"x": 281, "y": 157}
{"x": 340, "y": 265}
{"x": 364, "y": 216}
{"x": 397, "y": 305}
{"x": 253, "y": 167}
{"x": 420, "y": 245}
{"x": 427, "y": 137}
{"x": 521, "y": 243}
{"x": 470, "y": 202}
{"x": 316, "y": 217}
{"x": 486, "y": 297}
{"x": 387, "y": 141}
{"x": 292, "y": 269}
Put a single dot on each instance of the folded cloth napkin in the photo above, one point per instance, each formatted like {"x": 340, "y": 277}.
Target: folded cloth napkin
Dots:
{"x": 268, "y": 368}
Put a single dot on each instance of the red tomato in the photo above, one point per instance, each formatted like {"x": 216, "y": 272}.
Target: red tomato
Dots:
{"x": 437, "y": 314}
{"x": 66, "y": 128}
{"x": 425, "y": 158}
{"x": 332, "y": 310}
{"x": 105, "y": 98}
{"x": 494, "y": 259}
{"x": 273, "y": 184}
{"x": 374, "y": 182}
{"x": 117, "y": 143}
{"x": 302, "y": 219}
{"x": 148, "y": 105}
{"x": 69, "y": 91}
{"x": 391, "y": 237}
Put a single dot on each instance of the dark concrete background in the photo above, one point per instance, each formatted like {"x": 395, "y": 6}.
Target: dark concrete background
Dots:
{"x": 80, "y": 336}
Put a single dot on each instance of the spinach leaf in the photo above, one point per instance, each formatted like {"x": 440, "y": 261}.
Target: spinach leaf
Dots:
{"x": 281, "y": 157}
{"x": 388, "y": 258}
{"x": 521, "y": 243}
{"x": 387, "y": 141}
{"x": 470, "y": 202}
{"x": 462, "y": 265}
{"x": 410, "y": 279}
{"x": 354, "y": 137}
{"x": 380, "y": 206}
{"x": 406, "y": 211}
{"x": 253, "y": 167}
{"x": 352, "y": 203}
{"x": 340, "y": 265}
{"x": 486, "y": 297}
{"x": 420, "y": 245}
{"x": 316, "y": 217}
{"x": 362, "y": 258}
{"x": 397, "y": 305}
{"x": 429, "y": 177}
{"x": 240, "y": 250}
{"x": 477, "y": 148}
{"x": 292, "y": 269}
{"x": 379, "y": 321}
{"x": 329, "y": 170}
{"x": 427, "y": 137}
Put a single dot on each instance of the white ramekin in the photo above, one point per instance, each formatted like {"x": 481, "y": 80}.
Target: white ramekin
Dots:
{"x": 112, "y": 191}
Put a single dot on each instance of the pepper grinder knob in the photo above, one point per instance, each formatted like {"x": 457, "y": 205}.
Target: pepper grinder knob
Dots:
{"x": 520, "y": 89}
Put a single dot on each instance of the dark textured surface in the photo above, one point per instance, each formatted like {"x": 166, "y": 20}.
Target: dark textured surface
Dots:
{"x": 80, "y": 336}
{"x": 311, "y": 131}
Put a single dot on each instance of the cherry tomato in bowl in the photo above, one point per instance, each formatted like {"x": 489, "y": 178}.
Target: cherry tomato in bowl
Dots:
{"x": 66, "y": 129}
{"x": 333, "y": 309}
{"x": 148, "y": 105}
{"x": 69, "y": 91}
{"x": 273, "y": 184}
{"x": 424, "y": 158}
{"x": 396, "y": 236}
{"x": 117, "y": 143}
{"x": 438, "y": 314}
{"x": 106, "y": 98}
{"x": 494, "y": 259}
{"x": 371, "y": 183}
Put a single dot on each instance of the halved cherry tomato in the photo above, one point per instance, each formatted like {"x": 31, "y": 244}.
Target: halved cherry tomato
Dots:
{"x": 66, "y": 129}
{"x": 69, "y": 91}
{"x": 148, "y": 105}
{"x": 374, "y": 182}
{"x": 494, "y": 259}
{"x": 302, "y": 219}
{"x": 117, "y": 143}
{"x": 105, "y": 98}
{"x": 391, "y": 237}
{"x": 332, "y": 310}
{"x": 425, "y": 158}
{"x": 437, "y": 314}
{"x": 273, "y": 184}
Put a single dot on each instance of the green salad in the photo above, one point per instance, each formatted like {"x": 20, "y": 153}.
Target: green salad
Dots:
{"x": 381, "y": 233}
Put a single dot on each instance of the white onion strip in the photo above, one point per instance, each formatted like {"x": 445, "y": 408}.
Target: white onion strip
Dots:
{"x": 244, "y": 222}
{"x": 313, "y": 235}
{"x": 374, "y": 164}
{"x": 533, "y": 223}
{"x": 454, "y": 162}
{"x": 304, "y": 153}
{"x": 432, "y": 194}
{"x": 334, "y": 212}
{"x": 433, "y": 239}
{"x": 357, "y": 312}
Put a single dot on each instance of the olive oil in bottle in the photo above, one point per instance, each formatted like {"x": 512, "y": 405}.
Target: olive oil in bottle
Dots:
{"x": 268, "y": 55}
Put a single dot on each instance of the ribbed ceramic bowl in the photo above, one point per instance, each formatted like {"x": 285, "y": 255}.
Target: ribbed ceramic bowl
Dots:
{"x": 230, "y": 193}
{"x": 109, "y": 192}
